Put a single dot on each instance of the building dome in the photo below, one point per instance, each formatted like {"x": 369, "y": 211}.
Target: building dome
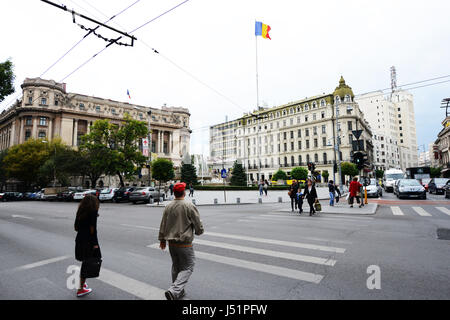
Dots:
{"x": 343, "y": 90}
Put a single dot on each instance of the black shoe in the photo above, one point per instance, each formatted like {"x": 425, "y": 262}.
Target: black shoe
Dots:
{"x": 182, "y": 294}
{"x": 169, "y": 295}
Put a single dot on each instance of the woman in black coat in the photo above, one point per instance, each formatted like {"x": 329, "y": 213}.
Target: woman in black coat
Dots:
{"x": 86, "y": 242}
{"x": 311, "y": 196}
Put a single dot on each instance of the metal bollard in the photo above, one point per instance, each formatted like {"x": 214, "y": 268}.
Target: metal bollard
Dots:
{"x": 216, "y": 201}
{"x": 193, "y": 202}
{"x": 280, "y": 199}
{"x": 259, "y": 200}
{"x": 151, "y": 201}
{"x": 238, "y": 200}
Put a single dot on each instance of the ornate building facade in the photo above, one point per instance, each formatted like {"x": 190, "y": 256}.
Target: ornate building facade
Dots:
{"x": 46, "y": 110}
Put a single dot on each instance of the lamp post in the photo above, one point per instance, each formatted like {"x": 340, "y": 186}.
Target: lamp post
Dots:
{"x": 337, "y": 145}
{"x": 149, "y": 137}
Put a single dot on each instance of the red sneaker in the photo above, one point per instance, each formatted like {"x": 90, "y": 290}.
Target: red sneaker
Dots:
{"x": 83, "y": 292}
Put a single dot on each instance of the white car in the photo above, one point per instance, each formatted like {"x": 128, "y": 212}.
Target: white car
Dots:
{"x": 107, "y": 194}
{"x": 78, "y": 196}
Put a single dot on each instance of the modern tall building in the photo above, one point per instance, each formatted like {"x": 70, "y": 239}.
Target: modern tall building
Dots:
{"x": 46, "y": 110}
{"x": 294, "y": 134}
{"x": 393, "y": 122}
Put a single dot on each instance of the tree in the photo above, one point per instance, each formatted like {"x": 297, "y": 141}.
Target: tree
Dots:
{"x": 349, "y": 169}
{"x": 299, "y": 173}
{"x": 188, "y": 173}
{"x": 238, "y": 175}
{"x": 325, "y": 175}
{"x": 24, "y": 161}
{"x": 162, "y": 170}
{"x": 3, "y": 176}
{"x": 379, "y": 174}
{"x": 279, "y": 175}
{"x": 6, "y": 79}
{"x": 435, "y": 172}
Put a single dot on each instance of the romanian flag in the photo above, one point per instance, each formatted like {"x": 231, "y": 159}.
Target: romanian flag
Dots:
{"x": 262, "y": 29}
{"x": 128, "y": 94}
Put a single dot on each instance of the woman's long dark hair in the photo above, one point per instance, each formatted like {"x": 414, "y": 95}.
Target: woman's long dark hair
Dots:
{"x": 89, "y": 205}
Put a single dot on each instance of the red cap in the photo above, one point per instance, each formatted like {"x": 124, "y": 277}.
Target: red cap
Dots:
{"x": 179, "y": 187}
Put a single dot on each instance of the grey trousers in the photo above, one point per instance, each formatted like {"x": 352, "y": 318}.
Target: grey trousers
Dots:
{"x": 183, "y": 261}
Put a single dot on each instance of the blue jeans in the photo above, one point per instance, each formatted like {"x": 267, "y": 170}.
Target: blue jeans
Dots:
{"x": 331, "y": 198}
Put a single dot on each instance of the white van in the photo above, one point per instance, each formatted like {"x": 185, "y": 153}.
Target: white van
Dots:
{"x": 390, "y": 177}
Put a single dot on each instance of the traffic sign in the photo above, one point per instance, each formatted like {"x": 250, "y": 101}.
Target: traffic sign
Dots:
{"x": 223, "y": 173}
{"x": 357, "y": 133}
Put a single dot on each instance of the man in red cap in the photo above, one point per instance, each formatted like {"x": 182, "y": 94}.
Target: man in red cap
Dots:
{"x": 179, "y": 222}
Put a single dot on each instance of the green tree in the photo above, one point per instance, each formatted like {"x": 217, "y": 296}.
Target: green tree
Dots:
{"x": 162, "y": 170}
{"x": 6, "y": 79}
{"x": 3, "y": 173}
{"x": 435, "y": 172}
{"x": 188, "y": 174}
{"x": 349, "y": 169}
{"x": 24, "y": 161}
{"x": 299, "y": 173}
{"x": 238, "y": 175}
{"x": 279, "y": 175}
{"x": 379, "y": 174}
{"x": 325, "y": 175}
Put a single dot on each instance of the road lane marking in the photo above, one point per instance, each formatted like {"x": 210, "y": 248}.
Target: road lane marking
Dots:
{"x": 313, "y": 219}
{"x": 271, "y": 253}
{"x": 421, "y": 212}
{"x": 444, "y": 210}
{"x": 140, "y": 227}
{"x": 396, "y": 211}
{"x": 20, "y": 216}
{"x": 261, "y": 267}
{"x": 40, "y": 263}
{"x": 329, "y": 216}
{"x": 327, "y": 224}
{"x": 277, "y": 242}
{"x": 137, "y": 288}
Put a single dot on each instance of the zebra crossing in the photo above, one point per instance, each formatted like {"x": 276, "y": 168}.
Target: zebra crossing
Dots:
{"x": 427, "y": 211}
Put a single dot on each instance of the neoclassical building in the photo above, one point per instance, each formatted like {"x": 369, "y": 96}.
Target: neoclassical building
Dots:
{"x": 46, "y": 110}
{"x": 292, "y": 135}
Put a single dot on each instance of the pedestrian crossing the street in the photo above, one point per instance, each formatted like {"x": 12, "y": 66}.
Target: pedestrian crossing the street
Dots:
{"x": 425, "y": 211}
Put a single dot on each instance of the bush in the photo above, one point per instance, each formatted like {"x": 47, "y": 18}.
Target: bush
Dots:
{"x": 279, "y": 175}
{"x": 228, "y": 187}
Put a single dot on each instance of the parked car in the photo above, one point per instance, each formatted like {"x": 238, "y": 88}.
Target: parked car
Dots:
{"x": 11, "y": 196}
{"x": 447, "y": 190}
{"x": 123, "y": 194}
{"x": 108, "y": 194}
{"x": 374, "y": 189}
{"x": 66, "y": 195}
{"x": 78, "y": 196}
{"x": 425, "y": 183}
{"x": 436, "y": 185}
{"x": 145, "y": 194}
{"x": 410, "y": 188}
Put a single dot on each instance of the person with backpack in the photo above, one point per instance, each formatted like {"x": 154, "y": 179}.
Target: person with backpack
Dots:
{"x": 266, "y": 187}
{"x": 86, "y": 241}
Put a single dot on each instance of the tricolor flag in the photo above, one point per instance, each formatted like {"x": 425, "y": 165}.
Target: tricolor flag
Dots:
{"x": 128, "y": 94}
{"x": 262, "y": 29}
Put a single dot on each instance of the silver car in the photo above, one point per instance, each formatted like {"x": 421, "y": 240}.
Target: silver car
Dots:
{"x": 145, "y": 194}
{"x": 374, "y": 189}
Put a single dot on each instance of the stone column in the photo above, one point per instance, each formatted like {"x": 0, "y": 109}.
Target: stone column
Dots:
{"x": 34, "y": 132}
{"x": 21, "y": 131}
{"x": 169, "y": 148}
{"x": 13, "y": 133}
{"x": 160, "y": 141}
{"x": 88, "y": 127}
{"x": 75, "y": 133}
{"x": 50, "y": 129}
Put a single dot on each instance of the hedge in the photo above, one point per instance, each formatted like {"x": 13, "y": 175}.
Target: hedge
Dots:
{"x": 228, "y": 187}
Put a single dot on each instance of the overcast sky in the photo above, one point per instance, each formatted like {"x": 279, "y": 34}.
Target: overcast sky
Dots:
{"x": 313, "y": 44}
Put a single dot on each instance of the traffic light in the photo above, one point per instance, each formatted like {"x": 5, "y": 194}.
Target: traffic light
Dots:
{"x": 358, "y": 159}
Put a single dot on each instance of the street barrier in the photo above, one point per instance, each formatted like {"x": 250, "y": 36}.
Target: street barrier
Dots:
{"x": 238, "y": 200}
{"x": 280, "y": 199}
{"x": 216, "y": 201}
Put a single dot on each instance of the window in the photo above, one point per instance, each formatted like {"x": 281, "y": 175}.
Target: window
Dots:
{"x": 97, "y": 108}
{"x": 324, "y": 142}
{"x": 43, "y": 101}
{"x": 56, "y": 102}
{"x": 307, "y": 158}
{"x": 113, "y": 111}
{"x": 314, "y": 105}
{"x": 299, "y": 160}
{"x": 292, "y": 161}
{"x": 291, "y": 121}
{"x": 349, "y": 125}
{"x": 292, "y": 146}
{"x": 285, "y": 147}
{"x": 299, "y": 133}
{"x": 284, "y": 135}
{"x": 41, "y": 135}
{"x": 27, "y": 134}
{"x": 314, "y": 116}
{"x": 299, "y": 145}
{"x": 306, "y": 118}
{"x": 315, "y": 130}
{"x": 42, "y": 121}
{"x": 28, "y": 121}
{"x": 322, "y": 114}
{"x": 325, "y": 157}
{"x": 322, "y": 103}
{"x": 292, "y": 134}
{"x": 30, "y": 100}
{"x": 307, "y": 132}
{"x": 307, "y": 144}
{"x": 324, "y": 129}
{"x": 315, "y": 143}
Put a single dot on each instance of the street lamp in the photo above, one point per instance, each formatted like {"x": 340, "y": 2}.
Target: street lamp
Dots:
{"x": 149, "y": 114}
{"x": 337, "y": 144}
{"x": 54, "y": 164}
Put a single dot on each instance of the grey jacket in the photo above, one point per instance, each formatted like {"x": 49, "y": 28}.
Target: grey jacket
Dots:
{"x": 179, "y": 222}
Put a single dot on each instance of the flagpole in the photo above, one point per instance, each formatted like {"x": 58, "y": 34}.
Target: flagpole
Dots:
{"x": 257, "y": 108}
{"x": 257, "y": 82}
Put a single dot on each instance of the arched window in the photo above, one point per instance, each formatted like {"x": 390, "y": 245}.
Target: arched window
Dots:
{"x": 284, "y": 112}
{"x": 316, "y": 157}
{"x": 292, "y": 161}
{"x": 278, "y": 114}
{"x": 322, "y": 103}
{"x": 291, "y": 111}
{"x": 299, "y": 160}
{"x": 285, "y": 161}
{"x": 308, "y": 159}
{"x": 314, "y": 105}
{"x": 347, "y": 98}
{"x": 306, "y": 106}
{"x": 337, "y": 99}
{"x": 298, "y": 109}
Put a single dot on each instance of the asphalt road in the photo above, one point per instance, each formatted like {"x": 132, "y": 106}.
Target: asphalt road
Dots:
{"x": 248, "y": 252}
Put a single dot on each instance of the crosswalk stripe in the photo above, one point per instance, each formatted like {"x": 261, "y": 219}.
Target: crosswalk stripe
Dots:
{"x": 277, "y": 254}
{"x": 137, "y": 288}
{"x": 41, "y": 263}
{"x": 256, "y": 266}
{"x": 396, "y": 211}
{"x": 421, "y": 211}
{"x": 277, "y": 242}
{"x": 444, "y": 210}
{"x": 315, "y": 219}
{"x": 331, "y": 216}
{"x": 328, "y": 224}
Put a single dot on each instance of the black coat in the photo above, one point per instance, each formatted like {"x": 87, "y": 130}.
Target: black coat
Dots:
{"x": 294, "y": 190}
{"x": 85, "y": 240}
{"x": 310, "y": 196}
